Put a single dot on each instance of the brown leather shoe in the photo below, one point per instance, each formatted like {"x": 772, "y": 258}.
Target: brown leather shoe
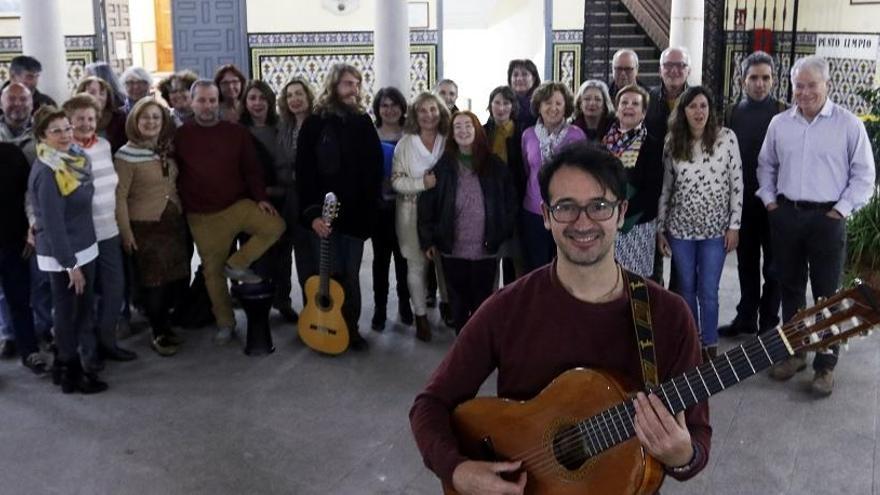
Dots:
{"x": 823, "y": 383}
{"x": 423, "y": 328}
{"x": 788, "y": 368}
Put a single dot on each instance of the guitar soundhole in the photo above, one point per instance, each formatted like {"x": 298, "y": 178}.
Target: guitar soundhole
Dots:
{"x": 568, "y": 448}
{"x": 324, "y": 302}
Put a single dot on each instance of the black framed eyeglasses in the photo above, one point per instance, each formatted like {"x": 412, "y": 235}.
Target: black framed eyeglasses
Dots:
{"x": 568, "y": 211}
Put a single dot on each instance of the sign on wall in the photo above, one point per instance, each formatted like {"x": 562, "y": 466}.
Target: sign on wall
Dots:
{"x": 849, "y": 46}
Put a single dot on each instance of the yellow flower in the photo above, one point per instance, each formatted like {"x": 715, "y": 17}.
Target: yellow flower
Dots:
{"x": 870, "y": 117}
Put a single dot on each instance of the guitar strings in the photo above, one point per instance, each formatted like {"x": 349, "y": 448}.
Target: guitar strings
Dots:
{"x": 540, "y": 460}
{"x": 601, "y": 432}
{"x": 546, "y": 461}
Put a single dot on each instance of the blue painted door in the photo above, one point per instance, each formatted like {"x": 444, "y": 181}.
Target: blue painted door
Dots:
{"x": 209, "y": 33}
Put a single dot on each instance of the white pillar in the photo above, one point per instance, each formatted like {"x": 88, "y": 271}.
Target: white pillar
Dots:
{"x": 686, "y": 30}
{"x": 391, "y": 46}
{"x": 42, "y": 38}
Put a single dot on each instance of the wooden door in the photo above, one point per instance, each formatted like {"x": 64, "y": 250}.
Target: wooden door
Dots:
{"x": 164, "y": 36}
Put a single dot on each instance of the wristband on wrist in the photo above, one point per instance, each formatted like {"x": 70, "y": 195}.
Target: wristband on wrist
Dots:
{"x": 690, "y": 464}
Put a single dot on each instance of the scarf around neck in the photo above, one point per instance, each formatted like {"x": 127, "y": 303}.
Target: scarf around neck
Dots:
{"x": 550, "y": 141}
{"x": 625, "y": 144}
{"x": 72, "y": 168}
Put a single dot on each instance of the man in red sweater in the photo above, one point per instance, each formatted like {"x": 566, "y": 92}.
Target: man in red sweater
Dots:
{"x": 574, "y": 312}
{"x": 223, "y": 193}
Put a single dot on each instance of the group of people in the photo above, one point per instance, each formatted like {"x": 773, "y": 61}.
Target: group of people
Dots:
{"x": 670, "y": 176}
{"x": 114, "y": 188}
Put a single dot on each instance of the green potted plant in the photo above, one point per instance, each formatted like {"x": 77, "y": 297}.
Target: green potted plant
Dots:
{"x": 863, "y": 227}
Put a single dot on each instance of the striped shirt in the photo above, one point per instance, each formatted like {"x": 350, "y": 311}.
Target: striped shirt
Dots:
{"x": 105, "y": 180}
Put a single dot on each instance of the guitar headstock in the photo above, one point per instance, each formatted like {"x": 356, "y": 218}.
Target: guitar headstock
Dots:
{"x": 330, "y": 210}
{"x": 847, "y": 313}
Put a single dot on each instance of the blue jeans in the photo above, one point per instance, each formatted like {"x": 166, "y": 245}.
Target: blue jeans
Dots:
{"x": 5, "y": 319}
{"x": 698, "y": 265}
{"x": 109, "y": 292}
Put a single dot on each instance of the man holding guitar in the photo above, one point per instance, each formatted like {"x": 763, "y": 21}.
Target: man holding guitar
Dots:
{"x": 338, "y": 151}
{"x": 575, "y": 312}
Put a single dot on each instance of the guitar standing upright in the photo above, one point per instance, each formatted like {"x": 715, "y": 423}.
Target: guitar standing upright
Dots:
{"x": 321, "y": 325}
{"x": 578, "y": 435}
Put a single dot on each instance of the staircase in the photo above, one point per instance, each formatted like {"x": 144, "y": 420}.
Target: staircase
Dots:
{"x": 625, "y": 33}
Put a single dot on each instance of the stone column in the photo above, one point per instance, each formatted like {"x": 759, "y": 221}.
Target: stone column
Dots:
{"x": 686, "y": 30}
{"x": 391, "y": 46}
{"x": 42, "y": 37}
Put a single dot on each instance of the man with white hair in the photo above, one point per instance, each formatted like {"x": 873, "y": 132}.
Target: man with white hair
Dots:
{"x": 625, "y": 67}
{"x": 815, "y": 168}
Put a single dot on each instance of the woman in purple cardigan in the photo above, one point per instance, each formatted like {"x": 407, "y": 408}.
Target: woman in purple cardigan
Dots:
{"x": 553, "y": 103}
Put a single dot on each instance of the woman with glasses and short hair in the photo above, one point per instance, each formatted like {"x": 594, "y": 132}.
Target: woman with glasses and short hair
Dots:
{"x": 61, "y": 185}
{"x": 700, "y": 206}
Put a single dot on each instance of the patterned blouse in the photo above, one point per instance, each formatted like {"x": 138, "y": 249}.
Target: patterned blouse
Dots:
{"x": 702, "y": 198}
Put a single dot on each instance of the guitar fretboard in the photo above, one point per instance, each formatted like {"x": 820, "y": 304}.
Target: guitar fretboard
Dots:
{"x": 616, "y": 424}
{"x": 324, "y": 286}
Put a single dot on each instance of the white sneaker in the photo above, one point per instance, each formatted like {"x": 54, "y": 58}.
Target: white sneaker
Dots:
{"x": 223, "y": 335}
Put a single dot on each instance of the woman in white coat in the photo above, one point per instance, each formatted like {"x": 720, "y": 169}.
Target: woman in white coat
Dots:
{"x": 422, "y": 144}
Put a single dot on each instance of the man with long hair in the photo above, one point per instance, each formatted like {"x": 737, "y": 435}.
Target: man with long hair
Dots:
{"x": 338, "y": 151}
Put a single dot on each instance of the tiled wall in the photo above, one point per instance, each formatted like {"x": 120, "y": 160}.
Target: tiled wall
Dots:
{"x": 80, "y": 51}
{"x": 277, "y": 57}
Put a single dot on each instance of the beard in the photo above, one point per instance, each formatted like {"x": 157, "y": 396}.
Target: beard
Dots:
{"x": 579, "y": 257}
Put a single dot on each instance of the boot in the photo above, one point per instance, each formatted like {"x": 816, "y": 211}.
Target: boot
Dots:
{"x": 74, "y": 379}
{"x": 423, "y": 328}
{"x": 378, "y": 321}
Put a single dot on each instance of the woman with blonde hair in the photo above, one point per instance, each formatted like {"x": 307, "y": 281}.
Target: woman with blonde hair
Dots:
{"x": 150, "y": 217}
{"x": 422, "y": 144}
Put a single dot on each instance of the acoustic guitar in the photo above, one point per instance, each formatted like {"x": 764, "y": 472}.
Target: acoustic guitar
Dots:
{"x": 321, "y": 325}
{"x": 577, "y": 436}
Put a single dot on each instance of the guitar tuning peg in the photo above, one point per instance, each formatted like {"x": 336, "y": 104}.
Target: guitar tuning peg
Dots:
{"x": 821, "y": 299}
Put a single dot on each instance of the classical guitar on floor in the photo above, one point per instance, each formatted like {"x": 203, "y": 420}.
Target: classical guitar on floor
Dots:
{"x": 321, "y": 325}
{"x": 577, "y": 436}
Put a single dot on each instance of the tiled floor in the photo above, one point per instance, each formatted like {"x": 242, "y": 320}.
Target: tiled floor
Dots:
{"x": 214, "y": 421}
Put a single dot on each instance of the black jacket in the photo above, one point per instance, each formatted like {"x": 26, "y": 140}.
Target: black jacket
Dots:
{"x": 514, "y": 157}
{"x": 343, "y": 155}
{"x": 14, "y": 170}
{"x": 647, "y": 180}
{"x": 436, "y": 208}
{"x": 657, "y": 118}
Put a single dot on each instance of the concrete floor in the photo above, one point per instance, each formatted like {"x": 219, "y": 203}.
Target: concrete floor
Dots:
{"x": 214, "y": 421}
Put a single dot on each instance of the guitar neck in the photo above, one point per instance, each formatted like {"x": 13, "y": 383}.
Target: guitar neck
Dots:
{"x": 324, "y": 269}
{"x": 616, "y": 424}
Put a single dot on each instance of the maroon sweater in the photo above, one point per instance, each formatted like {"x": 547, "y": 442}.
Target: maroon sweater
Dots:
{"x": 218, "y": 166}
{"x": 534, "y": 330}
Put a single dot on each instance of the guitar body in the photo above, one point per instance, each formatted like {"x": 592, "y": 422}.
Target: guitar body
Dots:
{"x": 321, "y": 326}
{"x": 525, "y": 431}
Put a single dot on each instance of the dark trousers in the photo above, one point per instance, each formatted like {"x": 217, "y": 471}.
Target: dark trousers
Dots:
{"x": 537, "y": 242}
{"x": 158, "y": 303}
{"x": 386, "y": 247}
{"x": 346, "y": 253}
{"x": 469, "y": 283}
{"x": 808, "y": 245}
{"x": 109, "y": 289}
{"x": 73, "y": 313}
{"x": 41, "y": 301}
{"x": 15, "y": 278}
{"x": 758, "y": 307}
